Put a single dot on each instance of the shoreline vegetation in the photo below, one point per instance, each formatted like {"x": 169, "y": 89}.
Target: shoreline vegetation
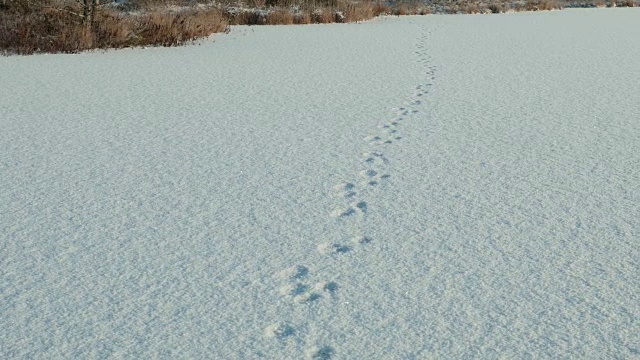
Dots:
{"x": 71, "y": 26}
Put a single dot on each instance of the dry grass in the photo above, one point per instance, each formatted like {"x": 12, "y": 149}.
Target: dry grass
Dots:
{"x": 31, "y": 26}
{"x": 542, "y": 5}
{"x": 280, "y": 17}
{"x": 322, "y": 16}
{"x": 411, "y": 7}
{"x": 279, "y": 12}
{"x": 496, "y": 8}
{"x": 301, "y": 19}
{"x": 48, "y": 29}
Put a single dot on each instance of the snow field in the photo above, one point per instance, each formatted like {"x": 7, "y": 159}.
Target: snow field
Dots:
{"x": 408, "y": 188}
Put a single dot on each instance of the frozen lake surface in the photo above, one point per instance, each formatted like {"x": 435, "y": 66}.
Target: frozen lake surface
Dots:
{"x": 407, "y": 188}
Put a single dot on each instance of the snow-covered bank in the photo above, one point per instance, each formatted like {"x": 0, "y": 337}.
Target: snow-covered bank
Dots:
{"x": 446, "y": 186}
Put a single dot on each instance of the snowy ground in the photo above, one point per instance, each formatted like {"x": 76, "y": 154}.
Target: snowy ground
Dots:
{"x": 408, "y": 188}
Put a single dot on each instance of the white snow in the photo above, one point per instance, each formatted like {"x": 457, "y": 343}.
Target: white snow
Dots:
{"x": 407, "y": 188}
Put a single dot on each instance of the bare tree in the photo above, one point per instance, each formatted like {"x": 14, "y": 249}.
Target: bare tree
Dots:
{"x": 89, "y": 8}
{"x": 87, "y": 14}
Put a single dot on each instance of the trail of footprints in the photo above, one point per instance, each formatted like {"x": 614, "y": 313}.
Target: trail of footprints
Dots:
{"x": 295, "y": 285}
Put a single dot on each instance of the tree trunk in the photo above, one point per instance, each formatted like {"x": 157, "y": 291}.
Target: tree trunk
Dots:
{"x": 86, "y": 12}
{"x": 94, "y": 7}
{"x": 89, "y": 8}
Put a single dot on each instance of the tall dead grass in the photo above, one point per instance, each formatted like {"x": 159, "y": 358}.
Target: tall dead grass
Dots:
{"x": 32, "y": 26}
{"x": 54, "y": 28}
{"x": 286, "y": 12}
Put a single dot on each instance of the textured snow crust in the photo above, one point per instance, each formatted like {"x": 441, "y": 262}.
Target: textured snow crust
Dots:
{"x": 407, "y": 188}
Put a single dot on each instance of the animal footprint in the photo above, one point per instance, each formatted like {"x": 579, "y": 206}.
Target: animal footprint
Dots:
{"x": 376, "y": 140}
{"x": 346, "y": 189}
{"x": 319, "y": 353}
{"x": 373, "y": 178}
{"x": 345, "y": 186}
{"x": 293, "y": 289}
{"x": 329, "y": 286}
{"x": 306, "y": 298}
{"x": 308, "y": 294}
{"x": 368, "y": 173}
{"x": 351, "y": 210}
{"x": 362, "y": 206}
{"x": 390, "y": 125}
{"x": 279, "y": 331}
{"x": 301, "y": 293}
{"x": 370, "y": 177}
{"x": 293, "y": 273}
{"x": 340, "y": 213}
{"x": 350, "y": 194}
{"x": 361, "y": 240}
{"x": 333, "y": 249}
{"x": 374, "y": 157}
{"x": 374, "y": 154}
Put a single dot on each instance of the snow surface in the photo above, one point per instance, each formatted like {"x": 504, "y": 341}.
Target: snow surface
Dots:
{"x": 407, "y": 188}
